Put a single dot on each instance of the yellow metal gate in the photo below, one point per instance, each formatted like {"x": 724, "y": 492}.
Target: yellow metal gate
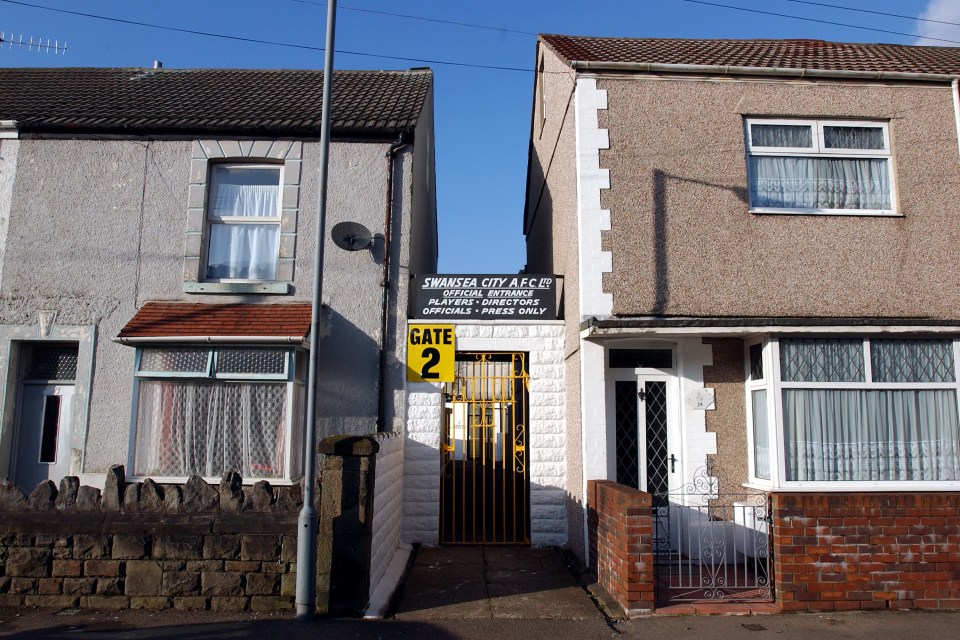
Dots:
{"x": 484, "y": 489}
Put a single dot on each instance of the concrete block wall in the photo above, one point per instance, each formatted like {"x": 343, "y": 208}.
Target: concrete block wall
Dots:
{"x": 842, "y": 551}
{"x": 620, "y": 531}
{"x": 387, "y": 504}
{"x": 421, "y": 464}
{"x": 148, "y": 546}
{"x": 547, "y": 464}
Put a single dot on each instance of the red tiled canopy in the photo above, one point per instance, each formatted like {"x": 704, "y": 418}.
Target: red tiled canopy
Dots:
{"x": 178, "y": 320}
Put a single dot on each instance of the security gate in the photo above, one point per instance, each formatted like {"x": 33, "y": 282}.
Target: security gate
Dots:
{"x": 712, "y": 545}
{"x": 484, "y": 488}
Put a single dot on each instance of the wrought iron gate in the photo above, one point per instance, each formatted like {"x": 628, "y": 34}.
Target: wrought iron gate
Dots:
{"x": 710, "y": 544}
{"x": 484, "y": 489}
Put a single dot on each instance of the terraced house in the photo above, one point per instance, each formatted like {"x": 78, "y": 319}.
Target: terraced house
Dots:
{"x": 759, "y": 246}
{"x": 157, "y": 247}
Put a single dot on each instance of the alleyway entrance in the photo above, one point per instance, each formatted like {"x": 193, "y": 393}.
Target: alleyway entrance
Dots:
{"x": 484, "y": 489}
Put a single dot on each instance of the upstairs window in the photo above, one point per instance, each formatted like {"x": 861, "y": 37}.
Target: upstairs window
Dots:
{"x": 243, "y": 222}
{"x": 819, "y": 166}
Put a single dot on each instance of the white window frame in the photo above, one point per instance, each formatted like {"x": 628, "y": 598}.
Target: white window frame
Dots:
{"x": 293, "y": 433}
{"x": 818, "y": 149}
{"x": 774, "y": 386}
{"x": 751, "y": 385}
{"x": 209, "y": 220}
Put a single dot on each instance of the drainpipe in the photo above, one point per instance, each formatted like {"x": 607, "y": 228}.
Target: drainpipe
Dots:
{"x": 385, "y": 285}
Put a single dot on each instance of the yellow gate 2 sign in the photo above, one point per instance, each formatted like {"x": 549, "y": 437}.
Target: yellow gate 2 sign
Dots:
{"x": 431, "y": 351}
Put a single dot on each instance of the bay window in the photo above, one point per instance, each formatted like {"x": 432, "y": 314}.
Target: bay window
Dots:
{"x": 819, "y": 166}
{"x": 204, "y": 411}
{"x": 858, "y": 409}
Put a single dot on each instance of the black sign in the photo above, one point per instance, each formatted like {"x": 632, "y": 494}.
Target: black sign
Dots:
{"x": 484, "y": 297}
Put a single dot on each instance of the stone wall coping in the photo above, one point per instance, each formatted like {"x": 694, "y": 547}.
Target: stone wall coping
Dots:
{"x": 349, "y": 446}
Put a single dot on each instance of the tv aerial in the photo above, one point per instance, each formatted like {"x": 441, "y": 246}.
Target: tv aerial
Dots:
{"x": 38, "y": 45}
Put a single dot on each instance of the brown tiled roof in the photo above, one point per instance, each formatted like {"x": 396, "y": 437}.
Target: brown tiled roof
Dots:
{"x": 184, "y": 319}
{"x": 190, "y": 101}
{"x": 774, "y": 54}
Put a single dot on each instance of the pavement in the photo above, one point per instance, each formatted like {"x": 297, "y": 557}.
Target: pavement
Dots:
{"x": 482, "y": 593}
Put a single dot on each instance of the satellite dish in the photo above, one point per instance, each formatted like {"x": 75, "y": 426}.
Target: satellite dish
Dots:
{"x": 351, "y": 236}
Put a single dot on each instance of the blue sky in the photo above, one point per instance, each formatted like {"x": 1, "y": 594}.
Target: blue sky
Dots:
{"x": 482, "y": 113}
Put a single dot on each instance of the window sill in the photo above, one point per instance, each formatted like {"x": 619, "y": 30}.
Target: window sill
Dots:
{"x": 237, "y": 287}
{"x": 858, "y": 213}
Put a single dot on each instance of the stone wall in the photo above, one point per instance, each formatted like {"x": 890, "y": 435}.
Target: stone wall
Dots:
{"x": 620, "y": 529}
{"x": 842, "y": 551}
{"x": 144, "y": 545}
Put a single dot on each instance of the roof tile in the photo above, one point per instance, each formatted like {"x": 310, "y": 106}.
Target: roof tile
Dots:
{"x": 774, "y": 54}
{"x": 240, "y": 101}
{"x": 179, "y": 319}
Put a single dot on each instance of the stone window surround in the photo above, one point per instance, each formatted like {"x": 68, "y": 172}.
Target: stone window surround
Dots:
{"x": 207, "y": 151}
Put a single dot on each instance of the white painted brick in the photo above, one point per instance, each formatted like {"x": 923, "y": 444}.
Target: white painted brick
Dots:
{"x": 554, "y": 412}
{"x": 424, "y": 412}
{"x": 538, "y": 539}
{"x": 547, "y": 512}
{"x": 540, "y": 440}
{"x": 421, "y": 481}
{"x": 548, "y": 525}
{"x": 545, "y": 495}
{"x": 538, "y": 456}
{"x": 422, "y": 495}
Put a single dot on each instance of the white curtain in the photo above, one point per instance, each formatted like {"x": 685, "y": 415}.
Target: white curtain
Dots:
{"x": 206, "y": 428}
{"x": 243, "y": 251}
{"x": 856, "y": 434}
{"x": 761, "y": 434}
{"x": 819, "y": 183}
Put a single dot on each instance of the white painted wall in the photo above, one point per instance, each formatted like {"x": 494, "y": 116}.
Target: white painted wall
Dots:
{"x": 387, "y": 505}
{"x": 546, "y": 461}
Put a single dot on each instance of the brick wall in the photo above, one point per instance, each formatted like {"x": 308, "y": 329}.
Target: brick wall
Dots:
{"x": 620, "y": 523}
{"x": 867, "y": 551}
{"x": 144, "y": 545}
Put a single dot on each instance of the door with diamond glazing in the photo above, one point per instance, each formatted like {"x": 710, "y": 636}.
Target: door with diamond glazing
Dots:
{"x": 646, "y": 438}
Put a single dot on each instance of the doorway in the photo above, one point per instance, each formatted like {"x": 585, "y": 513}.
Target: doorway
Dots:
{"x": 44, "y": 412}
{"x": 484, "y": 486}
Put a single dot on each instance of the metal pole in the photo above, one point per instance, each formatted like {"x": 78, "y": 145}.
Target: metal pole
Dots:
{"x": 307, "y": 521}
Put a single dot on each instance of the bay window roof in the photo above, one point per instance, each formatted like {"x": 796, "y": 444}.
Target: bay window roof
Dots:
{"x": 187, "y": 322}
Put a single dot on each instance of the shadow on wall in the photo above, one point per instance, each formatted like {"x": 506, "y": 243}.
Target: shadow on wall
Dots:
{"x": 348, "y": 376}
{"x": 661, "y": 277}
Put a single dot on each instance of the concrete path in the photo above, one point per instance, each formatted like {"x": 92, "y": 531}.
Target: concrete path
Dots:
{"x": 492, "y": 582}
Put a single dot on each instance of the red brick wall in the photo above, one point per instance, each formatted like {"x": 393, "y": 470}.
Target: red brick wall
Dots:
{"x": 867, "y": 551}
{"x": 621, "y": 542}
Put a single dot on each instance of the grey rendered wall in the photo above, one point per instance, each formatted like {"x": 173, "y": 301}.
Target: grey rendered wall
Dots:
{"x": 684, "y": 243}
{"x": 423, "y": 239}
{"x": 552, "y": 247}
{"x": 97, "y": 228}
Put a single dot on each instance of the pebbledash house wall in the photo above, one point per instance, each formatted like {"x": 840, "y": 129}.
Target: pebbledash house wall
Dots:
{"x": 546, "y": 462}
{"x": 95, "y": 228}
{"x": 684, "y": 242}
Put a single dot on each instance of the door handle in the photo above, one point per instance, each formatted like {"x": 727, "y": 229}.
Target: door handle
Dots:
{"x": 673, "y": 463}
